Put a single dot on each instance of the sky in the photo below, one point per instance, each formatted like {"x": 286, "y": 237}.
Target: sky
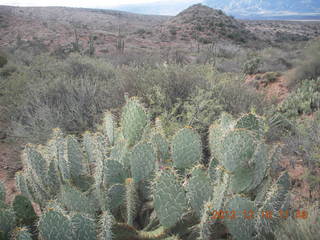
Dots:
{"x": 80, "y": 3}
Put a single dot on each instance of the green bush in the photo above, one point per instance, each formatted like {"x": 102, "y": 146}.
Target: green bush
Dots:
{"x": 269, "y": 77}
{"x": 173, "y": 31}
{"x": 226, "y": 93}
{"x": 252, "y": 65}
{"x": 7, "y": 70}
{"x": 304, "y": 144}
{"x": 305, "y": 141}
{"x": 3, "y": 60}
{"x": 309, "y": 67}
{"x": 71, "y": 93}
{"x": 304, "y": 100}
{"x": 302, "y": 229}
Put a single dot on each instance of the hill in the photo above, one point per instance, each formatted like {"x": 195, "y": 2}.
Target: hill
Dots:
{"x": 271, "y": 9}
{"x": 52, "y": 28}
{"x": 206, "y": 25}
{"x": 57, "y": 29}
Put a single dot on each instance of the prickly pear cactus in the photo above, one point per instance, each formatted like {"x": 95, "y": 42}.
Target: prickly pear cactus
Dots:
{"x": 84, "y": 227}
{"x": 105, "y": 227}
{"x": 109, "y": 126}
{"x": 7, "y": 221}
{"x": 131, "y": 182}
{"x": 21, "y": 234}
{"x": 199, "y": 188}
{"x": 133, "y": 121}
{"x": 239, "y": 149}
{"x": 54, "y": 225}
{"x": 161, "y": 146}
{"x": 25, "y": 214}
{"x": 22, "y": 184}
{"x": 170, "y": 201}
{"x": 76, "y": 201}
{"x": 251, "y": 122}
{"x": 2, "y": 192}
{"x": 186, "y": 148}
{"x": 114, "y": 172}
{"x": 142, "y": 161}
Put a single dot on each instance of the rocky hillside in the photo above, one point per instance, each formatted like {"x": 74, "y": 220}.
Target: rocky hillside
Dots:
{"x": 53, "y": 28}
{"x": 57, "y": 29}
{"x": 206, "y": 25}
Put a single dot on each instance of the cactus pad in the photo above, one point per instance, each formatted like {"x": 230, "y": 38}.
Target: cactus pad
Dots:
{"x": 7, "y": 221}
{"x": 84, "y": 228}
{"x": 2, "y": 192}
{"x": 108, "y": 126}
{"x": 198, "y": 188}
{"x": 238, "y": 148}
{"x": 169, "y": 198}
{"x": 116, "y": 196}
{"x": 186, "y": 148}
{"x": 53, "y": 225}
{"x": 21, "y": 234}
{"x": 133, "y": 121}
{"x": 242, "y": 226}
{"x": 142, "y": 161}
{"x": 25, "y": 214}
{"x": 113, "y": 173}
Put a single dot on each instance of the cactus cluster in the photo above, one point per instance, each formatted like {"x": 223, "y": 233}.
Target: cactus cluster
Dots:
{"x": 13, "y": 217}
{"x": 129, "y": 181}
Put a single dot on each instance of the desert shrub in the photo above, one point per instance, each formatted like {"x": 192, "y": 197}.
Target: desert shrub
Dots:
{"x": 133, "y": 58}
{"x": 68, "y": 94}
{"x": 252, "y": 65}
{"x": 228, "y": 50}
{"x": 177, "y": 81}
{"x": 237, "y": 36}
{"x": 270, "y": 77}
{"x": 3, "y": 60}
{"x": 237, "y": 97}
{"x": 225, "y": 57}
{"x": 305, "y": 144}
{"x": 303, "y": 229}
{"x": 279, "y": 125}
{"x": 7, "y": 70}
{"x": 275, "y": 59}
{"x": 304, "y": 100}
{"x": 72, "y": 104}
{"x": 140, "y": 31}
{"x": 71, "y": 93}
{"x": 306, "y": 141}
{"x": 205, "y": 40}
{"x": 199, "y": 27}
{"x": 199, "y": 110}
{"x": 173, "y": 31}
{"x": 309, "y": 67}
{"x": 226, "y": 93}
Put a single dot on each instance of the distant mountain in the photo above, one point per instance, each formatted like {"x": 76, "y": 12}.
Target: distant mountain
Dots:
{"x": 243, "y": 9}
{"x": 268, "y": 9}
{"x": 163, "y": 7}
